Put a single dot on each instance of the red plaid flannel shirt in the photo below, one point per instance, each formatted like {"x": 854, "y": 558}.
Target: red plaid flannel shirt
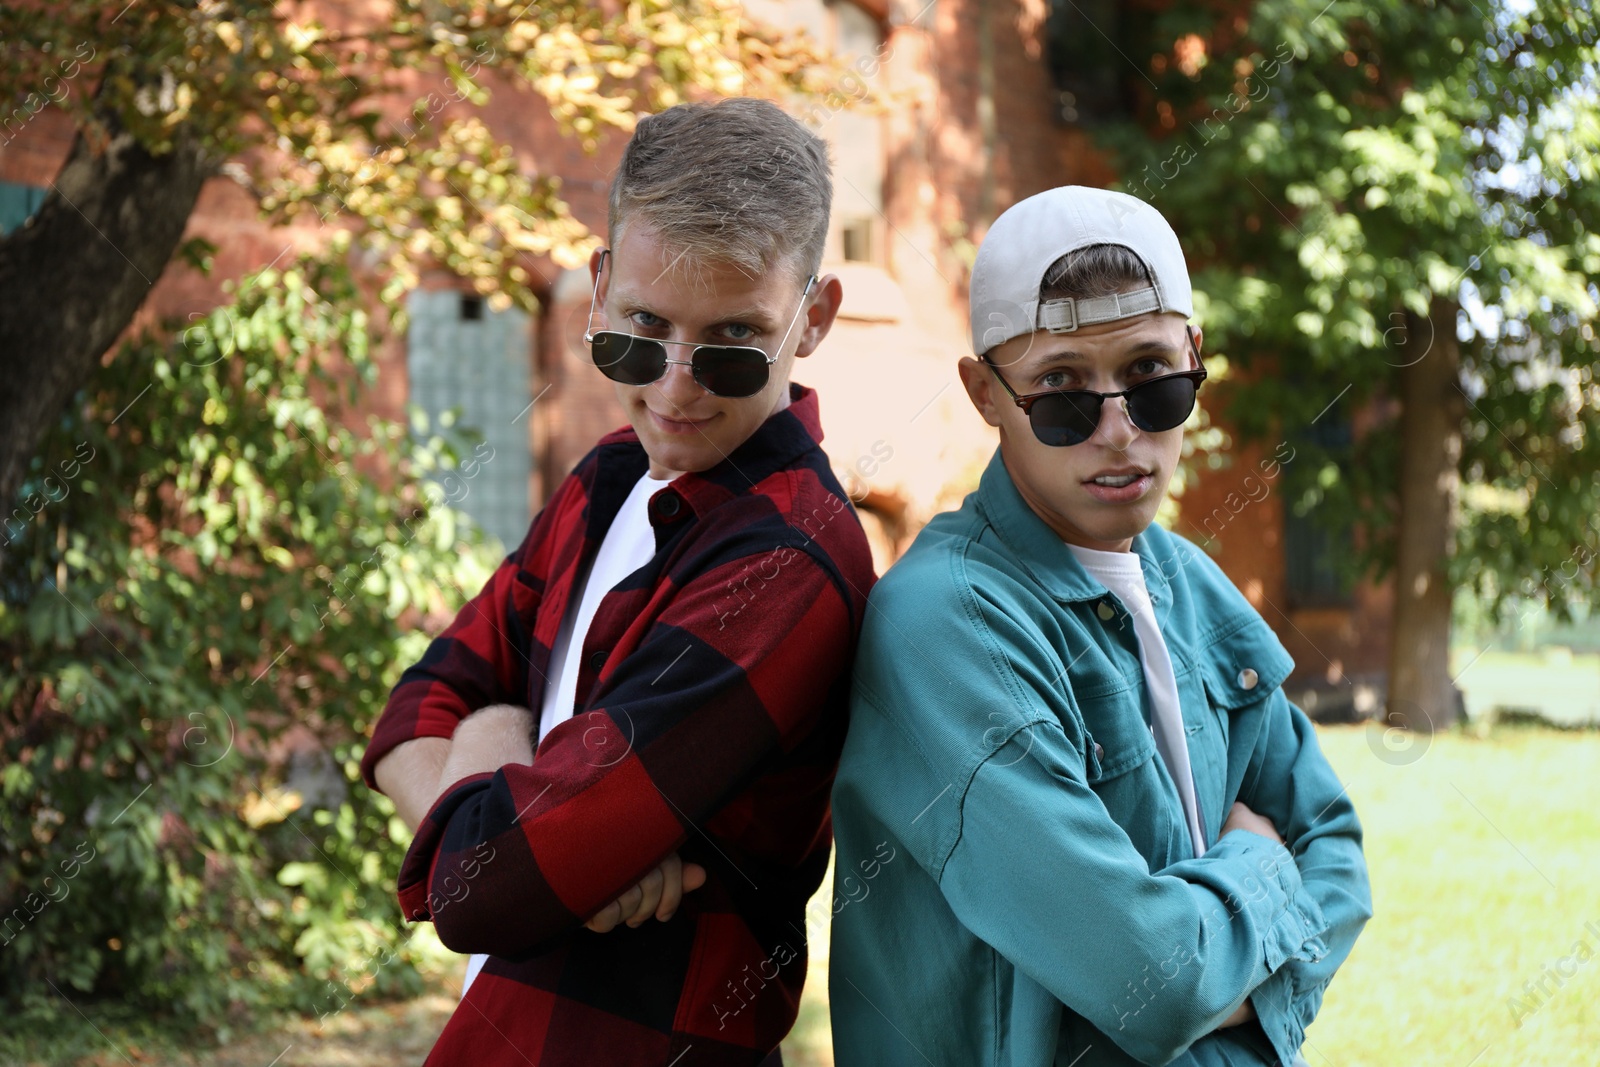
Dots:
{"x": 711, "y": 709}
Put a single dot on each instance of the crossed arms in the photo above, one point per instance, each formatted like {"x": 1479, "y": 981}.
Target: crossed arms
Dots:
{"x": 586, "y": 833}
{"x": 412, "y": 774}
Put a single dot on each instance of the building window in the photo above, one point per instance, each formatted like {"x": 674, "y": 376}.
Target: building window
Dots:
{"x": 857, "y": 237}
{"x": 1088, "y": 46}
{"x": 1317, "y": 545}
{"x": 18, "y": 203}
{"x": 1314, "y": 554}
{"x": 463, "y": 357}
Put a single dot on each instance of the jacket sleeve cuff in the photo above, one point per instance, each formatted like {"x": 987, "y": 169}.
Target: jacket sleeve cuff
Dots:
{"x": 1295, "y": 929}
{"x": 1296, "y": 935}
{"x": 418, "y": 902}
{"x": 1273, "y": 1001}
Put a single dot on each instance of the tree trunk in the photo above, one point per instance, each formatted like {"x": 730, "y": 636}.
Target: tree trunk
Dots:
{"x": 1421, "y": 694}
{"x": 72, "y": 278}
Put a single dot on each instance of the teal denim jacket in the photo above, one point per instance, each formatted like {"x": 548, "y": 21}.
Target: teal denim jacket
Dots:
{"x": 1014, "y": 883}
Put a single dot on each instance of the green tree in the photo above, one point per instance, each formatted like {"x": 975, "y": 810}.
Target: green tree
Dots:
{"x": 1396, "y": 207}
{"x": 325, "y": 120}
{"x": 215, "y": 575}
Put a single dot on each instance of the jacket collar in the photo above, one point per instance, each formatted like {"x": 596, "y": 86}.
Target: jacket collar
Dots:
{"x": 1048, "y": 560}
{"x": 784, "y": 437}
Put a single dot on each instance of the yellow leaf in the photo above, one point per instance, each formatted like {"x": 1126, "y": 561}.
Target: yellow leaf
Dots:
{"x": 260, "y": 810}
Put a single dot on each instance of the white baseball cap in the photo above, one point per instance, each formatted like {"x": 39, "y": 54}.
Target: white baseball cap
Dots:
{"x": 1032, "y": 234}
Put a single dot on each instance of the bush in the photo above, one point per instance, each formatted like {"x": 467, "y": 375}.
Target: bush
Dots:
{"x": 205, "y": 597}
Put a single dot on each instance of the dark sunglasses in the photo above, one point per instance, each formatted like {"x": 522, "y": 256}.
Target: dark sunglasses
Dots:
{"x": 1061, "y": 417}
{"x": 722, "y": 370}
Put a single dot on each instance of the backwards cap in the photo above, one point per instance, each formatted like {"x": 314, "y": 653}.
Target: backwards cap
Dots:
{"x": 1032, "y": 234}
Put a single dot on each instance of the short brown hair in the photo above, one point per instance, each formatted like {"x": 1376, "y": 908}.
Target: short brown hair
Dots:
{"x": 1096, "y": 270}
{"x": 737, "y": 181}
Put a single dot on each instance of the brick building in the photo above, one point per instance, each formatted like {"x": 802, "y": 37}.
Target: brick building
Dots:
{"x": 979, "y": 114}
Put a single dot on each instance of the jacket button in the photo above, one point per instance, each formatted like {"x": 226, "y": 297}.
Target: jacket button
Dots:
{"x": 1248, "y": 679}
{"x": 1105, "y": 611}
{"x": 667, "y": 505}
{"x": 597, "y": 659}
{"x": 1098, "y": 750}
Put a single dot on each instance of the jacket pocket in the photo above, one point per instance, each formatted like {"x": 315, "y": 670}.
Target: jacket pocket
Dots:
{"x": 1117, "y": 734}
{"x": 1126, "y": 776}
{"x": 1244, "y": 665}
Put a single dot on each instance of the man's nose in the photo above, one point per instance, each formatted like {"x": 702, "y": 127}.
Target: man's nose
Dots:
{"x": 1116, "y": 429}
{"x": 677, "y": 385}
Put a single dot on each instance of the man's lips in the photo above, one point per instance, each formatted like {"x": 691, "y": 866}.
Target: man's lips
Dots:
{"x": 677, "y": 424}
{"x": 1119, "y": 485}
{"x": 1117, "y": 474}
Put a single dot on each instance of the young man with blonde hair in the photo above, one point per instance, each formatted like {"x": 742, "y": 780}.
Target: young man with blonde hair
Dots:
{"x": 620, "y": 752}
{"x": 1078, "y": 821}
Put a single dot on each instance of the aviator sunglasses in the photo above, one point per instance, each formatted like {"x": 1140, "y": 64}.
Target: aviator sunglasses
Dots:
{"x": 722, "y": 370}
{"x": 1061, "y": 417}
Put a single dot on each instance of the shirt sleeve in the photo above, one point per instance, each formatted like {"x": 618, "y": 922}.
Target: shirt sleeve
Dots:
{"x": 506, "y": 862}
{"x": 1290, "y": 782}
{"x": 1031, "y": 862}
{"x": 481, "y": 657}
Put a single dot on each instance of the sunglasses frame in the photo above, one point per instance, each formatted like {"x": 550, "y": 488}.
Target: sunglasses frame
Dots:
{"x": 694, "y": 346}
{"x": 1026, "y": 401}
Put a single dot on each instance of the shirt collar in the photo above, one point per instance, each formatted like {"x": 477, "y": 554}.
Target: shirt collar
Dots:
{"x": 776, "y": 444}
{"x": 1046, "y": 558}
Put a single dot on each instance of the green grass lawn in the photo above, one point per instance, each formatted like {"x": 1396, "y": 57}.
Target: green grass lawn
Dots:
{"x": 1485, "y": 862}
{"x": 1484, "y": 848}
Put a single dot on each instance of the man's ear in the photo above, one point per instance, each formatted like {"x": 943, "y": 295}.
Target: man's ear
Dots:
{"x": 600, "y": 259}
{"x": 980, "y": 386}
{"x": 1199, "y": 343}
{"x": 825, "y": 298}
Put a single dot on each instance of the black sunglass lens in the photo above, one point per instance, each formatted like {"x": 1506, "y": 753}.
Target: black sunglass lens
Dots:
{"x": 629, "y": 360}
{"x": 731, "y": 372}
{"x": 1161, "y": 404}
{"x": 1065, "y": 418}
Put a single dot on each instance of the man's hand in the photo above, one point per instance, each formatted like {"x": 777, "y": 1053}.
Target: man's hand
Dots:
{"x": 1240, "y": 817}
{"x": 658, "y": 893}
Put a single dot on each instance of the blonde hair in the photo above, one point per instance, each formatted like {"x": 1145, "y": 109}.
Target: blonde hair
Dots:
{"x": 737, "y": 182}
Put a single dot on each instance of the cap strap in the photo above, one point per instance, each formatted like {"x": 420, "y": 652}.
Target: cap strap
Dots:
{"x": 1067, "y": 314}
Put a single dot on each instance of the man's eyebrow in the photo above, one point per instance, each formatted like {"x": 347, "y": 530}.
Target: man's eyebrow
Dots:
{"x": 752, "y": 313}
{"x": 1149, "y": 347}
{"x": 749, "y": 314}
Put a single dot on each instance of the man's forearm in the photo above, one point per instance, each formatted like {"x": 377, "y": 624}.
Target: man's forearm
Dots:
{"x": 487, "y": 740}
{"x": 409, "y": 776}
{"x": 413, "y": 774}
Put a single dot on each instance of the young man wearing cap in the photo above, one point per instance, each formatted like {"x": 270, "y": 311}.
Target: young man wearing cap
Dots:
{"x": 673, "y": 634}
{"x": 1078, "y": 821}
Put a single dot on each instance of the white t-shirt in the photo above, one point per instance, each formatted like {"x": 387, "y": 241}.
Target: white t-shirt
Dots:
{"x": 1121, "y": 573}
{"x": 629, "y": 544}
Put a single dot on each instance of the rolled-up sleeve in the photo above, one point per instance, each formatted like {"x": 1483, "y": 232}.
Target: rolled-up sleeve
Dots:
{"x": 481, "y": 658}
{"x": 506, "y": 862}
